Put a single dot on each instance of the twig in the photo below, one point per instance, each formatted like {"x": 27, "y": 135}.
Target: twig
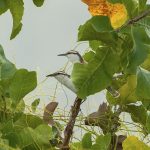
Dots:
{"x": 134, "y": 20}
{"x": 69, "y": 128}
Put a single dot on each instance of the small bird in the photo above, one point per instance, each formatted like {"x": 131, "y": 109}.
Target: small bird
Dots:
{"x": 75, "y": 57}
{"x": 64, "y": 79}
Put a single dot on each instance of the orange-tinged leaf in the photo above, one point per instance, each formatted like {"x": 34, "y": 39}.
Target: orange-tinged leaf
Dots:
{"x": 116, "y": 12}
{"x": 118, "y": 15}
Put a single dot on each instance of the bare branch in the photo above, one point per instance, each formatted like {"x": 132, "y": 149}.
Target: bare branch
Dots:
{"x": 69, "y": 128}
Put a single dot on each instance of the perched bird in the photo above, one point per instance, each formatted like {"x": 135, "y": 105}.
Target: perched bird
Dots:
{"x": 64, "y": 79}
{"x": 75, "y": 57}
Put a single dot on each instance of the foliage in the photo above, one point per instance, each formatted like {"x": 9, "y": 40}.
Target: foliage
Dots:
{"x": 16, "y": 8}
{"x": 118, "y": 57}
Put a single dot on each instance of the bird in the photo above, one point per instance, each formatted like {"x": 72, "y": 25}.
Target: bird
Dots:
{"x": 64, "y": 79}
{"x": 75, "y": 57}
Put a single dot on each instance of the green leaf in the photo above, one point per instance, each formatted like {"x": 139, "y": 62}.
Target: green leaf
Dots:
{"x": 131, "y": 6}
{"x": 115, "y": 1}
{"x": 17, "y": 9}
{"x": 28, "y": 121}
{"x": 39, "y": 137}
{"x": 38, "y": 3}
{"x": 22, "y": 83}
{"x": 7, "y": 69}
{"x": 143, "y": 83}
{"x": 97, "y": 74}
{"x": 94, "y": 45}
{"x": 132, "y": 142}
{"x": 3, "y": 6}
{"x": 34, "y": 104}
{"x": 140, "y": 50}
{"x": 97, "y": 28}
{"x": 87, "y": 141}
{"x": 142, "y": 4}
{"x": 77, "y": 146}
{"x": 88, "y": 56}
{"x": 102, "y": 142}
{"x": 138, "y": 113}
{"x": 126, "y": 90}
{"x": 148, "y": 123}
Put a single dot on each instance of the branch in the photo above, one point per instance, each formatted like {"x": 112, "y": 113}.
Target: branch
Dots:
{"x": 134, "y": 20}
{"x": 69, "y": 128}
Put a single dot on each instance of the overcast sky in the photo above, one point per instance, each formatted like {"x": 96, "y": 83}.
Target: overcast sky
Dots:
{"x": 46, "y": 32}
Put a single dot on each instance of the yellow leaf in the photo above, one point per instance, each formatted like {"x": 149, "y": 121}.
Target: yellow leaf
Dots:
{"x": 116, "y": 12}
{"x": 133, "y": 143}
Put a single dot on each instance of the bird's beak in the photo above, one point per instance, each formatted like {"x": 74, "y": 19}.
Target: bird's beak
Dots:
{"x": 62, "y": 54}
{"x": 51, "y": 75}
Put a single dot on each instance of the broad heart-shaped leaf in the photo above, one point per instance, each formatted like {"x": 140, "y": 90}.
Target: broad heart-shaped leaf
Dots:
{"x": 3, "y": 6}
{"x": 141, "y": 48}
{"x": 143, "y": 84}
{"x": 38, "y": 3}
{"x": 138, "y": 113}
{"x": 17, "y": 9}
{"x": 133, "y": 143}
{"x": 22, "y": 83}
{"x": 102, "y": 142}
{"x": 87, "y": 141}
{"x": 97, "y": 74}
{"x": 97, "y": 28}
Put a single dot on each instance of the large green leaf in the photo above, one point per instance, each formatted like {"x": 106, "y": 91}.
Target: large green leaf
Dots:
{"x": 3, "y": 6}
{"x": 97, "y": 74}
{"x": 97, "y": 28}
{"x": 143, "y": 83}
{"x": 87, "y": 141}
{"x": 38, "y": 3}
{"x": 141, "y": 48}
{"x": 102, "y": 142}
{"x": 17, "y": 9}
{"x": 22, "y": 83}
